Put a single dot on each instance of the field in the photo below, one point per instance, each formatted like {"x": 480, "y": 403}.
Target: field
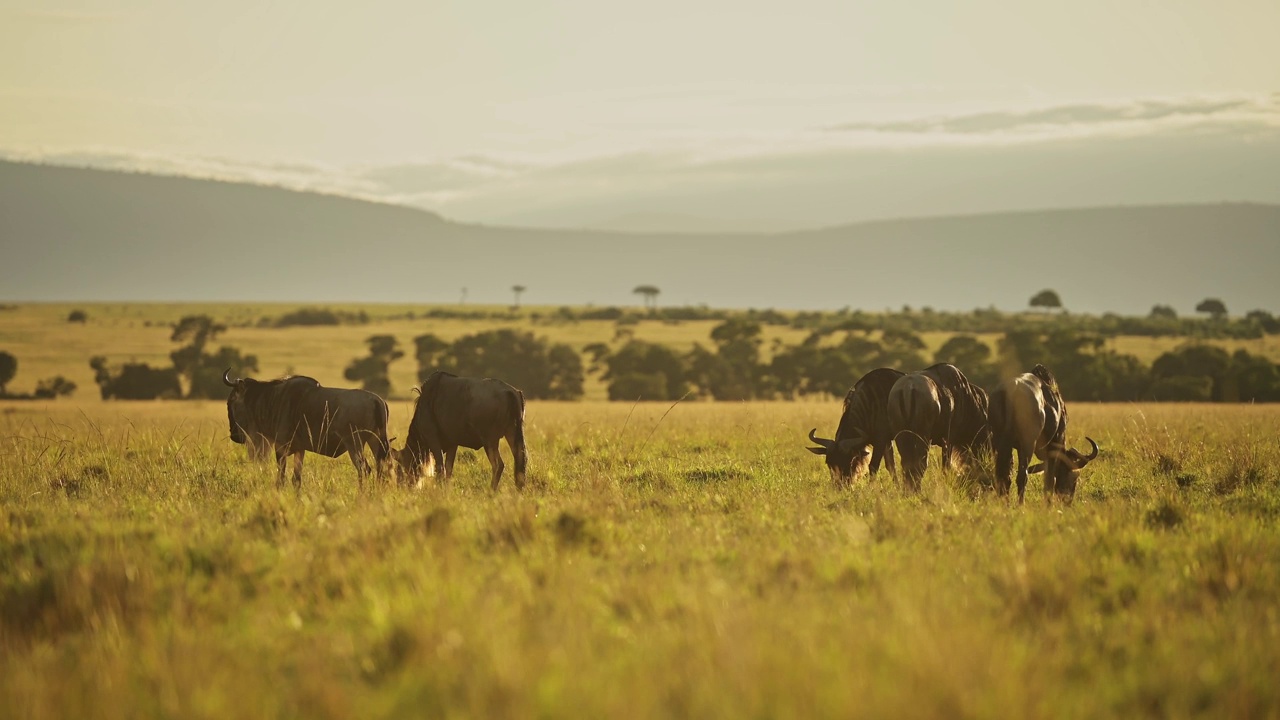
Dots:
{"x": 692, "y": 560}
{"x": 46, "y": 345}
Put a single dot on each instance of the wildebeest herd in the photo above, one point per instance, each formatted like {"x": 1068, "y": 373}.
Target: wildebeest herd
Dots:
{"x": 886, "y": 407}
{"x": 296, "y": 415}
{"x": 939, "y": 406}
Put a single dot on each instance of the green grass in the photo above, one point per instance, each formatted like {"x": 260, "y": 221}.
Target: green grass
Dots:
{"x": 699, "y": 564}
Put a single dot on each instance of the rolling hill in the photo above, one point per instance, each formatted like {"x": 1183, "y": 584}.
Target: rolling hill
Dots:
{"x": 79, "y": 234}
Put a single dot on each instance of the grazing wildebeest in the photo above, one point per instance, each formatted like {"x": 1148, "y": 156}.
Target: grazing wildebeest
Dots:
{"x": 474, "y": 413}
{"x": 1028, "y": 415}
{"x": 863, "y": 431}
{"x": 296, "y": 415}
{"x": 938, "y": 406}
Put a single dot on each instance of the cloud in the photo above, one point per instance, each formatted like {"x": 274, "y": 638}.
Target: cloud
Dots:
{"x": 1148, "y": 151}
{"x": 1133, "y": 113}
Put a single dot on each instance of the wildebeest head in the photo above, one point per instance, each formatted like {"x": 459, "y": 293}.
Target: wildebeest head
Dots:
{"x": 408, "y": 465}
{"x": 237, "y": 414}
{"x": 1067, "y": 465}
{"x": 846, "y": 459}
{"x": 238, "y": 417}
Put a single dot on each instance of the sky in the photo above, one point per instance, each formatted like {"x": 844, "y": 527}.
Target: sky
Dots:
{"x": 663, "y": 114}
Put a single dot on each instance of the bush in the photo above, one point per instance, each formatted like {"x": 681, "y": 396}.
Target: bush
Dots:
{"x": 77, "y": 316}
{"x": 532, "y": 364}
{"x": 308, "y": 317}
{"x": 54, "y": 387}
{"x": 639, "y": 358}
{"x": 639, "y": 386}
{"x": 1182, "y": 388}
{"x": 8, "y": 368}
{"x": 135, "y": 381}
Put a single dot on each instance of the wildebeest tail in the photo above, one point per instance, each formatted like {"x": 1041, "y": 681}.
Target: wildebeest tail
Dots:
{"x": 384, "y": 445}
{"x": 998, "y": 412}
{"x": 516, "y": 404}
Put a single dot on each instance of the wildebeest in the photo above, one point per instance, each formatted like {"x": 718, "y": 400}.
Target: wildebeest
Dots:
{"x": 296, "y": 415}
{"x": 863, "y": 431}
{"x": 938, "y": 406}
{"x": 1028, "y": 415}
{"x": 474, "y": 413}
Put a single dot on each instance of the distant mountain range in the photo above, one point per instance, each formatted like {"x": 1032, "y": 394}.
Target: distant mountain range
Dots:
{"x": 80, "y": 234}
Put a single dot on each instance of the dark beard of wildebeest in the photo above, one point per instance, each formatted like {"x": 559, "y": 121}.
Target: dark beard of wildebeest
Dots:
{"x": 862, "y": 437}
{"x": 1028, "y": 415}
{"x": 937, "y": 406}
{"x": 296, "y": 415}
{"x": 455, "y": 412}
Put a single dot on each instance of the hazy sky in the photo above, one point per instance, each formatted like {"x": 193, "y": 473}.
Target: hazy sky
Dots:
{"x": 575, "y": 111}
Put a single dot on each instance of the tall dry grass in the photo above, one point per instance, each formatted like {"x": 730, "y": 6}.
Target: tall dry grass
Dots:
{"x": 699, "y": 564}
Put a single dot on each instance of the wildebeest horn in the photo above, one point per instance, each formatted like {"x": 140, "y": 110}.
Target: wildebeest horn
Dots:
{"x": 226, "y": 378}
{"x": 1093, "y": 454}
{"x": 820, "y": 441}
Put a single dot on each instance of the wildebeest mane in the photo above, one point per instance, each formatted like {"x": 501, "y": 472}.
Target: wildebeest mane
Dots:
{"x": 863, "y": 411}
{"x": 1053, "y": 398}
{"x": 423, "y": 424}
{"x": 268, "y": 401}
{"x": 969, "y": 406}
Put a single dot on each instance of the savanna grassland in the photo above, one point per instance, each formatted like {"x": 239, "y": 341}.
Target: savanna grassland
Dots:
{"x": 46, "y": 345}
{"x": 692, "y": 560}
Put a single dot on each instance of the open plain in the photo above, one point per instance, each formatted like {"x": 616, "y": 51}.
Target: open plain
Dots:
{"x": 689, "y": 560}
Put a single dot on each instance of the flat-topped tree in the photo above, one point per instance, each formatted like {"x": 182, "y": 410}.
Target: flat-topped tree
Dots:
{"x": 1047, "y": 299}
{"x": 1214, "y": 307}
{"x": 650, "y": 294}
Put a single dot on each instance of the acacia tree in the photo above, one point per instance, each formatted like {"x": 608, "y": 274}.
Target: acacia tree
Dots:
{"x": 650, "y": 294}
{"x": 203, "y": 370}
{"x": 372, "y": 371}
{"x": 1214, "y": 307}
{"x": 8, "y": 368}
{"x": 428, "y": 349}
{"x": 538, "y": 368}
{"x": 517, "y": 290}
{"x": 1046, "y": 299}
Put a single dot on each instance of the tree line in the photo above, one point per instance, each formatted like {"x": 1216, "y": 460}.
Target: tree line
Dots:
{"x": 541, "y": 369}
{"x": 735, "y": 365}
{"x": 827, "y": 362}
{"x": 195, "y": 372}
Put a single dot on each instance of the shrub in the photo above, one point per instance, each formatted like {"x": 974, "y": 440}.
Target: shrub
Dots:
{"x": 308, "y": 317}
{"x": 54, "y": 387}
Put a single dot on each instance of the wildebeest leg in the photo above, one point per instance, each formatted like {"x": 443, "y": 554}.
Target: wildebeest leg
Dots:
{"x": 450, "y": 454}
{"x": 297, "y": 470}
{"x": 1004, "y": 468}
{"x": 946, "y": 456}
{"x": 914, "y": 452}
{"x": 438, "y": 466}
{"x": 381, "y": 453}
{"x": 281, "y": 459}
{"x": 355, "y": 449}
{"x": 1023, "y": 459}
{"x": 1050, "y": 478}
{"x": 518, "y": 453}
{"x": 887, "y": 451}
{"x": 877, "y": 453}
{"x": 495, "y": 460}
